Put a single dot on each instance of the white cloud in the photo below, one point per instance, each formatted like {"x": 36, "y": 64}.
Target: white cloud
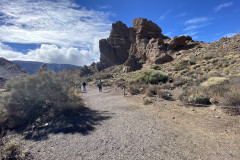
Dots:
{"x": 222, "y": 5}
{"x": 193, "y": 27}
{"x": 163, "y": 16}
{"x": 61, "y": 23}
{"x": 181, "y": 15}
{"x": 191, "y": 33}
{"x": 168, "y": 34}
{"x": 197, "y": 20}
{"x": 51, "y": 54}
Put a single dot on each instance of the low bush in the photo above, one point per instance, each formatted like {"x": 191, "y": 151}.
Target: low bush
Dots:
{"x": 34, "y": 96}
{"x": 89, "y": 79}
{"x": 152, "y": 90}
{"x": 226, "y": 94}
{"x": 165, "y": 95}
{"x": 155, "y": 66}
{"x": 199, "y": 99}
{"x": 149, "y": 76}
{"x": 11, "y": 150}
{"x": 106, "y": 76}
{"x": 214, "y": 81}
{"x": 183, "y": 65}
{"x": 137, "y": 88}
{"x": 147, "y": 101}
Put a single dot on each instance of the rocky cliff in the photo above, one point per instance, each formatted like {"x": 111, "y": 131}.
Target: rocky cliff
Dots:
{"x": 141, "y": 44}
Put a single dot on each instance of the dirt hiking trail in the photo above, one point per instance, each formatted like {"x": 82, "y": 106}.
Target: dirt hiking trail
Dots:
{"x": 121, "y": 128}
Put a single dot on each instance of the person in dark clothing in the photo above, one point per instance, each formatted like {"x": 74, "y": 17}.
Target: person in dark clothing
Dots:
{"x": 100, "y": 86}
{"x": 84, "y": 86}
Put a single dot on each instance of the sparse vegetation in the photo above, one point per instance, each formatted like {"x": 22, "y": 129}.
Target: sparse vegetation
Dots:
{"x": 164, "y": 95}
{"x": 37, "y": 96}
{"x": 89, "y": 79}
{"x": 147, "y": 101}
{"x": 214, "y": 81}
{"x": 155, "y": 66}
{"x": 106, "y": 76}
{"x": 183, "y": 65}
{"x": 199, "y": 99}
{"x": 149, "y": 76}
{"x": 137, "y": 88}
{"x": 152, "y": 90}
{"x": 11, "y": 150}
{"x": 226, "y": 93}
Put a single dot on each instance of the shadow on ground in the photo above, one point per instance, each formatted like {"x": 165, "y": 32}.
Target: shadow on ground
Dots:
{"x": 83, "y": 122}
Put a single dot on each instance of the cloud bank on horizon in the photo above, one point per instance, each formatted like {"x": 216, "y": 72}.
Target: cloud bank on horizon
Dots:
{"x": 68, "y": 31}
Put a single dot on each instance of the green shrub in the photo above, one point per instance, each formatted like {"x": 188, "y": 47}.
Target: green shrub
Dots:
{"x": 183, "y": 65}
{"x": 147, "y": 101}
{"x": 89, "y": 79}
{"x": 106, "y": 76}
{"x": 156, "y": 67}
{"x": 11, "y": 150}
{"x": 199, "y": 99}
{"x": 34, "y": 96}
{"x": 150, "y": 76}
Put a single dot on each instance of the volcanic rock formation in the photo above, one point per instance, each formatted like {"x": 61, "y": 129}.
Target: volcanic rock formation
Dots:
{"x": 142, "y": 44}
{"x": 135, "y": 46}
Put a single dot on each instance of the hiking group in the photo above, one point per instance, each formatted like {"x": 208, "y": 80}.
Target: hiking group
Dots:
{"x": 84, "y": 86}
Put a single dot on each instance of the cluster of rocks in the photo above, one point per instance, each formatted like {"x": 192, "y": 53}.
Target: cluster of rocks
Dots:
{"x": 135, "y": 46}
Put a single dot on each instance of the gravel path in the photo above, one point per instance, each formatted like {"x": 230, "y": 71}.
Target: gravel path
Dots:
{"x": 118, "y": 129}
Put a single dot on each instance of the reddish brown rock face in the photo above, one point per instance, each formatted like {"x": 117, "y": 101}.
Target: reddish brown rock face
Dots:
{"x": 143, "y": 43}
{"x": 145, "y": 28}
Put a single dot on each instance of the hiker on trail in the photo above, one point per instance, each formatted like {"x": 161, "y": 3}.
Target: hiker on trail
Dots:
{"x": 84, "y": 86}
{"x": 100, "y": 86}
{"x": 124, "y": 91}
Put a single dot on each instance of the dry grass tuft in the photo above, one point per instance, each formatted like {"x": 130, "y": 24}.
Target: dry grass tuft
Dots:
{"x": 214, "y": 81}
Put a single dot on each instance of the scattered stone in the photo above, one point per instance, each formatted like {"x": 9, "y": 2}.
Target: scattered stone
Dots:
{"x": 217, "y": 117}
{"x": 173, "y": 117}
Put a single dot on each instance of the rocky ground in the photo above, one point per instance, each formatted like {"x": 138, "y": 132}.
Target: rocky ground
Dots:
{"x": 118, "y": 127}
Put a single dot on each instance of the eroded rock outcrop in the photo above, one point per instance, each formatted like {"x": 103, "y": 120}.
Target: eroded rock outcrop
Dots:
{"x": 177, "y": 42}
{"x": 114, "y": 50}
{"x": 141, "y": 44}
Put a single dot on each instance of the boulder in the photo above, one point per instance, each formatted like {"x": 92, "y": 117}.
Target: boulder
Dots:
{"x": 179, "y": 41}
{"x": 145, "y": 28}
{"x": 131, "y": 64}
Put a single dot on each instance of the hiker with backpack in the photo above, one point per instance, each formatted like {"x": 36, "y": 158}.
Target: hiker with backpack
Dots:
{"x": 84, "y": 86}
{"x": 99, "y": 86}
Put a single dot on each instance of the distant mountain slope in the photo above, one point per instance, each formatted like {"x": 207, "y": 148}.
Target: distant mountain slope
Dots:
{"x": 32, "y": 67}
{"x": 8, "y": 70}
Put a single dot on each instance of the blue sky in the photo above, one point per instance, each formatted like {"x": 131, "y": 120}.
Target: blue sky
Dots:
{"x": 68, "y": 31}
